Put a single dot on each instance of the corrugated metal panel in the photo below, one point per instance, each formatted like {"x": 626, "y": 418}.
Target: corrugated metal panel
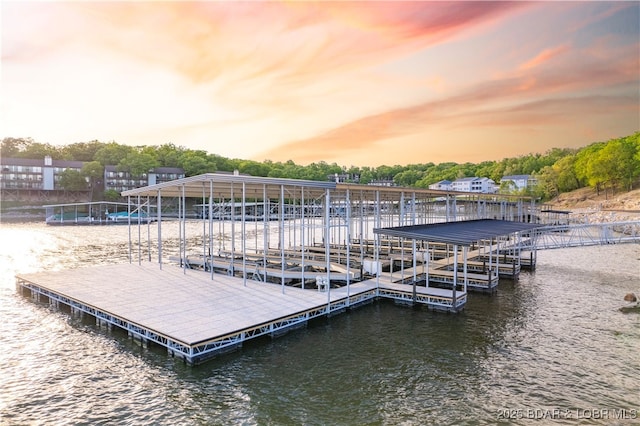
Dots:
{"x": 462, "y": 233}
{"x": 195, "y": 186}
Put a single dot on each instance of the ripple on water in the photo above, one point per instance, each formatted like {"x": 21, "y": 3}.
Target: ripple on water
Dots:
{"x": 554, "y": 339}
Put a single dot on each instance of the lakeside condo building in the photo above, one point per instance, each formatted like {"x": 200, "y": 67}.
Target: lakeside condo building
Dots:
{"x": 26, "y": 179}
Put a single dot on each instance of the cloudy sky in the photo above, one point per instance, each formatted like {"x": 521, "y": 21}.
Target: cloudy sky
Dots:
{"x": 356, "y": 83}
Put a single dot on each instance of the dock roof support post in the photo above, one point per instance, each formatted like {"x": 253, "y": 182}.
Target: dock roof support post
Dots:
{"x": 149, "y": 228}
{"x": 302, "y": 234}
{"x": 413, "y": 244}
{"x": 281, "y": 236}
{"x": 361, "y": 235}
{"x": 204, "y": 229}
{"x": 243, "y": 230}
{"x": 183, "y": 229}
{"x": 428, "y": 258}
{"x": 413, "y": 208}
{"x": 265, "y": 227}
{"x": 159, "y": 224}
{"x": 129, "y": 225}
{"x": 455, "y": 275}
{"x": 455, "y": 208}
{"x": 490, "y": 252}
{"x": 210, "y": 217}
{"x": 327, "y": 251}
{"x": 348, "y": 236}
{"x": 232, "y": 208}
{"x": 139, "y": 232}
{"x": 376, "y": 242}
{"x": 401, "y": 242}
{"x": 465, "y": 251}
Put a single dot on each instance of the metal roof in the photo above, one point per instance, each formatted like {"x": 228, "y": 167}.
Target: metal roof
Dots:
{"x": 224, "y": 184}
{"x": 255, "y": 186}
{"x": 89, "y": 203}
{"x": 463, "y": 233}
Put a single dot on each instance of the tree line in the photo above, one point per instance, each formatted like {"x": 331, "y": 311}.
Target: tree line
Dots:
{"x": 605, "y": 166}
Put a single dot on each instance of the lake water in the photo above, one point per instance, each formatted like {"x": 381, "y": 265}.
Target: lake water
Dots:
{"x": 553, "y": 345}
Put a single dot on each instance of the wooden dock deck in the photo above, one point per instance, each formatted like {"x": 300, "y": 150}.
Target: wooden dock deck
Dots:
{"x": 196, "y": 317}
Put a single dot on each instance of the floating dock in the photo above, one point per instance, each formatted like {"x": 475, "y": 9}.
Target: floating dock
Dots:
{"x": 326, "y": 248}
{"x": 196, "y": 318}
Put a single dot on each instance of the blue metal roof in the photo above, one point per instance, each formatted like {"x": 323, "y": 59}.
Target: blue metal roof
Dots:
{"x": 463, "y": 233}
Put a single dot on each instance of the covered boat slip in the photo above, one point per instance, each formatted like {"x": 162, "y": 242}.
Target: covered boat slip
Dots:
{"x": 326, "y": 248}
{"x": 465, "y": 235}
{"x": 329, "y": 229}
{"x": 89, "y": 213}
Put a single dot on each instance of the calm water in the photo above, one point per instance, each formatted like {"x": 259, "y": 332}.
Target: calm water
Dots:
{"x": 553, "y": 344}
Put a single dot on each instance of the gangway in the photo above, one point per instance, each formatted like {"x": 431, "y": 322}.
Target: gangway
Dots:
{"x": 588, "y": 234}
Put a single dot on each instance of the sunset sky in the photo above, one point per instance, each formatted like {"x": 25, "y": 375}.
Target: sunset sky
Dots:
{"x": 355, "y": 83}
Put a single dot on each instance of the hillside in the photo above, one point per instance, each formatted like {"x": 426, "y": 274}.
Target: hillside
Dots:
{"x": 620, "y": 206}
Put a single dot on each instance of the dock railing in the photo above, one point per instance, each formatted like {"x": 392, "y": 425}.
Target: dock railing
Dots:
{"x": 586, "y": 234}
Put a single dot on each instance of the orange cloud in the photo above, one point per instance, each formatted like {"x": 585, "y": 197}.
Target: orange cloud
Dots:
{"x": 479, "y": 106}
{"x": 332, "y": 78}
{"x": 286, "y": 42}
{"x": 543, "y": 57}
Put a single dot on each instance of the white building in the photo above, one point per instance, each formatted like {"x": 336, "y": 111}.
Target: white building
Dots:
{"x": 520, "y": 182}
{"x": 443, "y": 185}
{"x": 474, "y": 184}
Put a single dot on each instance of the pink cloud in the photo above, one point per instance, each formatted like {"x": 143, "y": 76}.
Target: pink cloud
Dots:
{"x": 544, "y": 56}
{"x": 539, "y": 97}
{"x": 204, "y": 40}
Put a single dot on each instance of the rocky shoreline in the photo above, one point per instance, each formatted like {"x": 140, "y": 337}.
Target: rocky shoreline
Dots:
{"x": 587, "y": 206}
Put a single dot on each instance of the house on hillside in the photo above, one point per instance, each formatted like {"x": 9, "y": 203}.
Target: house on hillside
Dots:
{"x": 474, "y": 184}
{"x": 443, "y": 185}
{"x": 519, "y": 182}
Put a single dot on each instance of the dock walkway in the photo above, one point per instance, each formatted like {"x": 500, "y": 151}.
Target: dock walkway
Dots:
{"x": 196, "y": 317}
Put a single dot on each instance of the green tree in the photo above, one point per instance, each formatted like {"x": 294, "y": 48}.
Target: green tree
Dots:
{"x": 195, "y": 163}
{"x": 111, "y": 195}
{"x": 565, "y": 174}
{"x": 253, "y": 168}
{"x": 167, "y": 155}
{"x": 507, "y": 187}
{"x": 407, "y": 177}
{"x": 619, "y": 161}
{"x": 137, "y": 164}
{"x": 93, "y": 171}
{"x": 40, "y": 150}
{"x": 112, "y": 153}
{"x": 588, "y": 169}
{"x": 72, "y": 180}
{"x": 547, "y": 186}
{"x": 13, "y": 147}
{"x": 81, "y": 151}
